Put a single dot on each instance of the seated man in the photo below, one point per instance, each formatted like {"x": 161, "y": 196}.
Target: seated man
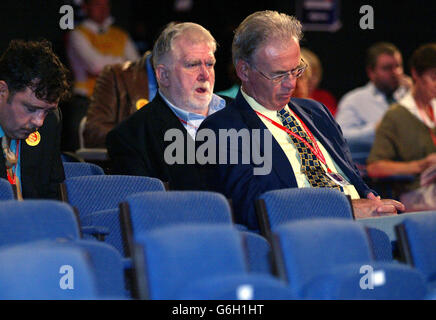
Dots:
{"x": 183, "y": 58}
{"x": 405, "y": 141}
{"x": 120, "y": 90}
{"x": 32, "y": 81}
{"x": 92, "y": 45}
{"x": 95, "y": 43}
{"x": 360, "y": 110}
{"x": 305, "y": 146}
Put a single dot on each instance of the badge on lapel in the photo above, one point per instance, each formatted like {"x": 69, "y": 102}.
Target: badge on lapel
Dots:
{"x": 140, "y": 103}
{"x": 33, "y": 139}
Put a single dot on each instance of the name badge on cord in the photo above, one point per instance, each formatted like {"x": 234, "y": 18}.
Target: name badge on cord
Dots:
{"x": 337, "y": 178}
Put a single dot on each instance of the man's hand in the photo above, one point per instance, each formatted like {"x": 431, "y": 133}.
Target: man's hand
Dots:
{"x": 406, "y": 81}
{"x": 374, "y": 207}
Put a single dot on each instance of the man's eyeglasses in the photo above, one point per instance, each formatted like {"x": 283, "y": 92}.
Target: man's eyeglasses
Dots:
{"x": 296, "y": 73}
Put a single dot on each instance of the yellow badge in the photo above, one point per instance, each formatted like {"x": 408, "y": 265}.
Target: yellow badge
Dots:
{"x": 140, "y": 103}
{"x": 33, "y": 139}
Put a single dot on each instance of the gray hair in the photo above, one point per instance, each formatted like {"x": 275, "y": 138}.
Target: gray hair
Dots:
{"x": 164, "y": 43}
{"x": 260, "y": 27}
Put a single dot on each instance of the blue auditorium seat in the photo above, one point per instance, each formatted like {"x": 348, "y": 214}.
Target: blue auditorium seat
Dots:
{"x": 387, "y": 223}
{"x": 322, "y": 259}
{"x": 417, "y": 243}
{"x": 31, "y": 220}
{"x": 100, "y": 192}
{"x": 382, "y": 231}
{"x": 109, "y": 221}
{"x": 280, "y": 206}
{"x": 95, "y": 268}
{"x": 380, "y": 244}
{"x": 144, "y": 212}
{"x": 78, "y": 169}
{"x": 258, "y": 252}
{"x": 36, "y": 271}
{"x": 198, "y": 262}
{"x": 54, "y": 223}
{"x": 107, "y": 265}
{"x": 236, "y": 287}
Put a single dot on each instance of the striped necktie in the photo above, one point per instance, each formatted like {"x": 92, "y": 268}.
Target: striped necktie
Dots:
{"x": 309, "y": 163}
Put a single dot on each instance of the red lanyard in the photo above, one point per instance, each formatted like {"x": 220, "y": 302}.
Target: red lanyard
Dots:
{"x": 187, "y": 123}
{"x": 12, "y": 176}
{"x": 316, "y": 151}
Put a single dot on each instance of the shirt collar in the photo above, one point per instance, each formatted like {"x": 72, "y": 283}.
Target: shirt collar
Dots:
{"x": 96, "y": 28}
{"x": 397, "y": 94}
{"x": 217, "y": 103}
{"x": 409, "y": 103}
{"x": 256, "y": 106}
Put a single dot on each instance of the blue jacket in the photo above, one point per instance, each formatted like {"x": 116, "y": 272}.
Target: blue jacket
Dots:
{"x": 237, "y": 181}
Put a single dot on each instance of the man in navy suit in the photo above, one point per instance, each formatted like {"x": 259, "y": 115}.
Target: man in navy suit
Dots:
{"x": 306, "y": 147}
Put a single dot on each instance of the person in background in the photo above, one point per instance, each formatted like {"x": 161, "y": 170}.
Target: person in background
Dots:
{"x": 360, "y": 110}
{"x": 314, "y": 79}
{"x": 121, "y": 90}
{"x": 405, "y": 141}
{"x": 92, "y": 45}
{"x": 301, "y": 89}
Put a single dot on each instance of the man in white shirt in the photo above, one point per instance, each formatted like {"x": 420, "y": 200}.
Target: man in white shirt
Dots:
{"x": 360, "y": 110}
{"x": 405, "y": 141}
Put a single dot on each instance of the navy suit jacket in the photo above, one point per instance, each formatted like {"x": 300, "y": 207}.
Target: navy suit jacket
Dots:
{"x": 237, "y": 181}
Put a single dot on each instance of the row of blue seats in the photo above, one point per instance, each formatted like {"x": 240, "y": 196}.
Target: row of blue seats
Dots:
{"x": 272, "y": 208}
{"x": 317, "y": 259}
{"x": 100, "y": 195}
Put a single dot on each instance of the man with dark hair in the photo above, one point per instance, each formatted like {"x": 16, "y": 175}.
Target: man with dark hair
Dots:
{"x": 360, "y": 110}
{"x": 32, "y": 82}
